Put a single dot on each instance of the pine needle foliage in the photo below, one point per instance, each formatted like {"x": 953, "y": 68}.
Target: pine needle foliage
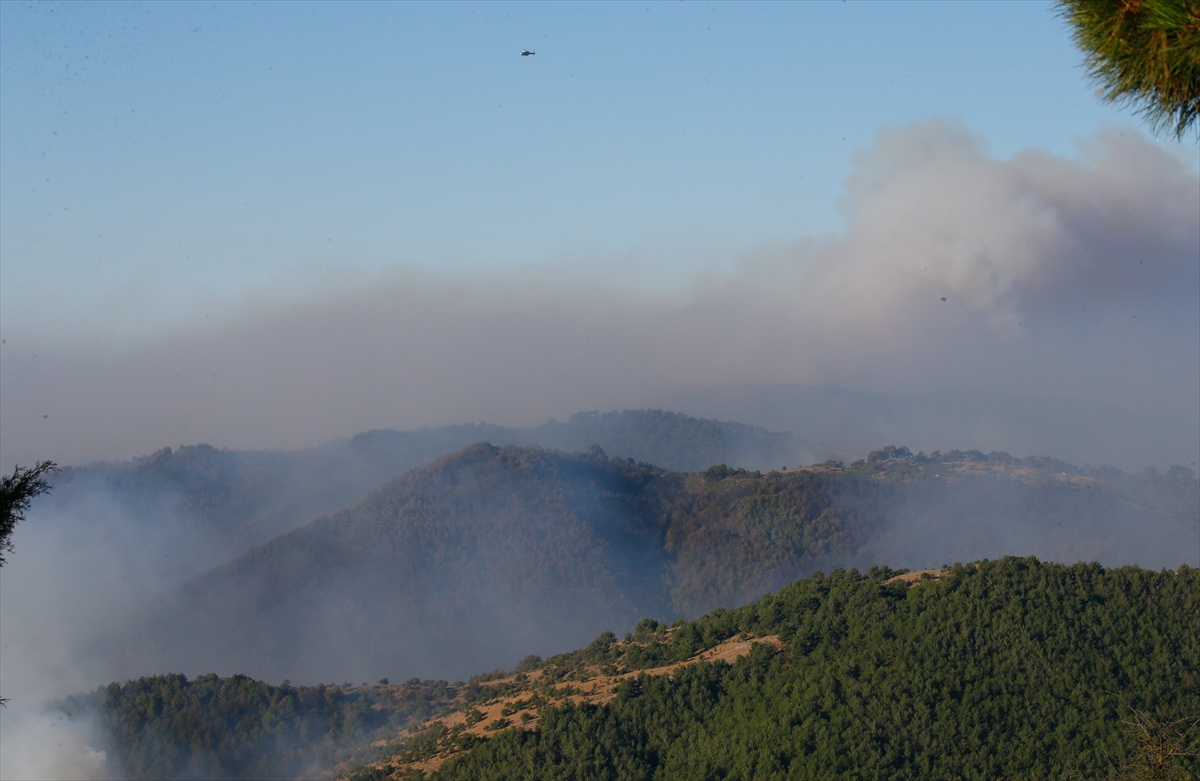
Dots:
{"x": 17, "y": 491}
{"x": 1143, "y": 53}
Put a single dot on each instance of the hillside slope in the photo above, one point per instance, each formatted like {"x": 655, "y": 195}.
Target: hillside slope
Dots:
{"x": 1000, "y": 669}
{"x": 1006, "y": 669}
{"x": 471, "y": 559}
{"x": 220, "y": 503}
{"x": 482, "y": 556}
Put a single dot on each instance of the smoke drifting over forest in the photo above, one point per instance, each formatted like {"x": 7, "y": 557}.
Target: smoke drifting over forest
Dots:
{"x": 492, "y": 553}
{"x": 958, "y": 273}
{"x": 1063, "y": 278}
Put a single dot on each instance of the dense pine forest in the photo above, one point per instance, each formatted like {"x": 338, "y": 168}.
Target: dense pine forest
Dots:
{"x": 999, "y": 669}
{"x": 166, "y": 726}
{"x": 1004, "y": 669}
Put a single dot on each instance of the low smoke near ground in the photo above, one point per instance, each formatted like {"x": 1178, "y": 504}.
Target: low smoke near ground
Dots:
{"x": 1042, "y": 276}
{"x": 1066, "y": 522}
{"x": 76, "y": 571}
{"x": 42, "y": 743}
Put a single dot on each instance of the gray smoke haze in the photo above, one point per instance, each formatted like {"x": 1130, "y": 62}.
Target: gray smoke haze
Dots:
{"x": 365, "y": 593}
{"x": 80, "y": 569}
{"x": 1078, "y": 431}
{"x": 959, "y": 274}
{"x": 1051, "y": 277}
{"x": 76, "y": 571}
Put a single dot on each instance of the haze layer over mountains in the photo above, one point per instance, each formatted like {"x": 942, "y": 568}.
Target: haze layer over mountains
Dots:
{"x": 199, "y": 559}
{"x": 1012, "y": 300}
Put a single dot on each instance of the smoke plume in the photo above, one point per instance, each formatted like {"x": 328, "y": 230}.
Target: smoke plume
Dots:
{"x": 1064, "y": 278}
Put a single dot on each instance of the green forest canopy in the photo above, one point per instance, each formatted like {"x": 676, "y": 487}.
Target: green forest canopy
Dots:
{"x": 1004, "y": 669}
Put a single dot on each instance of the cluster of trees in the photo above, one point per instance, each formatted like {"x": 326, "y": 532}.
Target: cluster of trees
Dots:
{"x": 732, "y": 536}
{"x": 1004, "y": 669}
{"x": 17, "y": 492}
{"x": 167, "y": 726}
{"x": 1173, "y": 490}
{"x": 900, "y": 454}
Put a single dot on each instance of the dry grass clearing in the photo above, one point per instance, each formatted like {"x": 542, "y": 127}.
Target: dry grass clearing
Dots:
{"x": 915, "y": 578}
{"x": 522, "y": 708}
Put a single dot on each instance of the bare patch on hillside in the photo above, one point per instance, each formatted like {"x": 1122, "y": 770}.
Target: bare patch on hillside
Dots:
{"x": 919, "y": 576}
{"x": 472, "y": 722}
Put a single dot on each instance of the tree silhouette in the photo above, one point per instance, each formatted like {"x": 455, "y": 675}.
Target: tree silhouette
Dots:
{"x": 16, "y": 492}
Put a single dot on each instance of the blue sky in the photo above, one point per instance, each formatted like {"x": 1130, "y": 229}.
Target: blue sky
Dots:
{"x": 272, "y": 224}
{"x": 163, "y": 163}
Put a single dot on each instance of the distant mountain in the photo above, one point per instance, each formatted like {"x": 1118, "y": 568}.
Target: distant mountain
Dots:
{"x": 666, "y": 439}
{"x": 471, "y": 561}
{"x": 451, "y": 567}
{"x": 857, "y": 421}
{"x": 223, "y": 502}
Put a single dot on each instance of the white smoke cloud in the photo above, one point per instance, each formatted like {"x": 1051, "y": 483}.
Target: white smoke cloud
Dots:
{"x": 930, "y": 211}
{"x": 1039, "y": 275}
{"x": 78, "y": 569}
{"x": 42, "y": 743}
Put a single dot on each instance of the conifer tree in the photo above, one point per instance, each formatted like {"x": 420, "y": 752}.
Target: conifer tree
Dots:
{"x": 16, "y": 492}
{"x": 1143, "y": 53}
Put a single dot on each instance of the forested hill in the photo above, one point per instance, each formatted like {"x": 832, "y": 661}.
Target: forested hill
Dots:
{"x": 1006, "y": 669}
{"x": 1001, "y": 669}
{"x": 493, "y": 552}
{"x": 220, "y": 503}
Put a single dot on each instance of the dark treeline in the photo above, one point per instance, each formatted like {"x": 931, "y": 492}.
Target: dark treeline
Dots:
{"x": 167, "y": 727}
{"x": 1005, "y": 669}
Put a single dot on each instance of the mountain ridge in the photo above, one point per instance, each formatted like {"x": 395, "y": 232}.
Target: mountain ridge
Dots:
{"x": 495, "y": 549}
{"x": 228, "y": 501}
